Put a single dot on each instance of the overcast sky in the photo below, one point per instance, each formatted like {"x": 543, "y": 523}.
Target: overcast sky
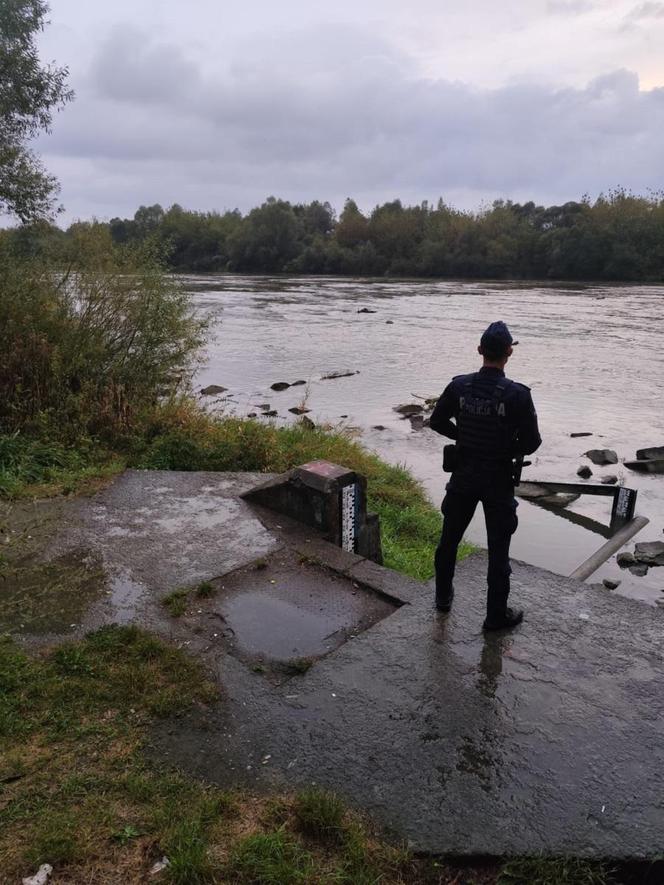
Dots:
{"x": 217, "y": 105}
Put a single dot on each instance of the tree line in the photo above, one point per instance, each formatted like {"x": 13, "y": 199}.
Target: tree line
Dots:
{"x": 619, "y": 236}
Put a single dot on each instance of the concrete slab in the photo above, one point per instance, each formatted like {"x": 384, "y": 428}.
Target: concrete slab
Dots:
{"x": 550, "y": 739}
{"x": 114, "y": 555}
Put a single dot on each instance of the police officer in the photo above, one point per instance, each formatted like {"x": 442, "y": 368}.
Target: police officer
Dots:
{"x": 493, "y": 422}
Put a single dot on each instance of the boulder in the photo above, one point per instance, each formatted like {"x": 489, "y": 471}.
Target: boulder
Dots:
{"x": 408, "y": 409}
{"x": 640, "y": 569}
{"x": 299, "y": 410}
{"x": 610, "y": 480}
{"x": 648, "y": 454}
{"x": 602, "y": 456}
{"x": 650, "y": 552}
{"x": 213, "y": 390}
{"x": 584, "y": 471}
{"x": 280, "y": 385}
{"x": 625, "y": 559}
{"x": 611, "y": 585}
{"x": 577, "y": 435}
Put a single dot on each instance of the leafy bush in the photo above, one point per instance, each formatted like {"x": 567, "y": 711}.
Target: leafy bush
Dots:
{"x": 83, "y": 349}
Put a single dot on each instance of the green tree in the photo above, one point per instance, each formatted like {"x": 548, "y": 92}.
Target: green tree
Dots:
{"x": 29, "y": 92}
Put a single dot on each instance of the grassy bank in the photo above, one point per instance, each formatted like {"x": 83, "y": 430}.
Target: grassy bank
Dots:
{"x": 77, "y": 791}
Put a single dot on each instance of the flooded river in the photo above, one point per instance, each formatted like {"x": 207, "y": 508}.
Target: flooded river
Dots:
{"x": 592, "y": 354}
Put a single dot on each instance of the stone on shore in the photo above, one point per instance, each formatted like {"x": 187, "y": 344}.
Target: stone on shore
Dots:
{"x": 650, "y": 552}
{"x": 611, "y": 585}
{"x": 625, "y": 559}
{"x": 610, "y": 480}
{"x": 602, "y": 456}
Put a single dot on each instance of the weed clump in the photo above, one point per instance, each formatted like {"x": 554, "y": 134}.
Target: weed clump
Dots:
{"x": 176, "y": 602}
{"x": 319, "y": 814}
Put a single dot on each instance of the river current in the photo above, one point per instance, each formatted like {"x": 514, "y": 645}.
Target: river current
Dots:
{"x": 592, "y": 354}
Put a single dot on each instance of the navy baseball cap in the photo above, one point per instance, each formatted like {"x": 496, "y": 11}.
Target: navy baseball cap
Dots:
{"x": 497, "y": 336}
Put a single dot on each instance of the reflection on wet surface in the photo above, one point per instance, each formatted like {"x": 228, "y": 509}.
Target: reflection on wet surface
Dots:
{"x": 289, "y": 610}
{"x": 592, "y": 355}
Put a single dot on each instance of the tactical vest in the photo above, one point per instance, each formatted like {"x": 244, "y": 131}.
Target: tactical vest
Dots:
{"x": 483, "y": 431}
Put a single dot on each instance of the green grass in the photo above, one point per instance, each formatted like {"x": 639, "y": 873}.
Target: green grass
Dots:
{"x": 205, "y": 589}
{"x": 176, "y": 602}
{"x": 320, "y": 814}
{"x": 270, "y": 859}
{"x": 76, "y": 786}
{"x": 554, "y": 871}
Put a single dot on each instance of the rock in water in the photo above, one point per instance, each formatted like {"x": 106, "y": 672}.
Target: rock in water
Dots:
{"x": 577, "y": 435}
{"x": 416, "y": 422}
{"x": 650, "y": 552}
{"x": 625, "y": 559}
{"x": 378, "y": 427}
{"x": 298, "y": 383}
{"x": 213, "y": 389}
{"x": 366, "y": 310}
{"x": 409, "y": 409}
{"x": 271, "y": 414}
{"x": 298, "y": 410}
{"x": 611, "y": 585}
{"x": 640, "y": 569}
{"x": 584, "y": 471}
{"x": 307, "y": 423}
{"x": 648, "y": 454}
{"x": 602, "y": 456}
{"x": 280, "y": 385}
{"x": 334, "y": 375}
{"x": 609, "y": 480}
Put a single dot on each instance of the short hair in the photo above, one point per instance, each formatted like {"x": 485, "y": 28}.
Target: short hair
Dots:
{"x": 497, "y": 352}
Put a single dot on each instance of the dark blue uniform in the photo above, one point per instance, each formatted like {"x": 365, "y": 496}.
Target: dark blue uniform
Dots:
{"x": 493, "y": 420}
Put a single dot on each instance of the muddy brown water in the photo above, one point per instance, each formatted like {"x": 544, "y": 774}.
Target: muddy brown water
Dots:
{"x": 592, "y": 355}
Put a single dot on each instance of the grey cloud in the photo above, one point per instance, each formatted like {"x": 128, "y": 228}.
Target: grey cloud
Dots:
{"x": 645, "y": 11}
{"x": 130, "y": 68}
{"x": 342, "y": 118}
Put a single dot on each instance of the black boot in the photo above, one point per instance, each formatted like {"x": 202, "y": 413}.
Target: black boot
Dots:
{"x": 444, "y": 600}
{"x": 510, "y": 618}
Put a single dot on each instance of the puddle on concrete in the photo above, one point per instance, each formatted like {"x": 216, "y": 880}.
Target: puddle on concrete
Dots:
{"x": 290, "y": 610}
{"x": 38, "y": 598}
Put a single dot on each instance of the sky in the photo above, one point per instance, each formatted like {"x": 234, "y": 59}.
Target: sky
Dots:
{"x": 217, "y": 105}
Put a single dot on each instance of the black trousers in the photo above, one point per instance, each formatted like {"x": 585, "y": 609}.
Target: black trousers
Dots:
{"x": 464, "y": 491}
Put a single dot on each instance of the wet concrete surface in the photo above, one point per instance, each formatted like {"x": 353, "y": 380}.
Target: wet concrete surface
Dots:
{"x": 289, "y": 610}
{"x": 549, "y": 739}
{"x": 76, "y": 563}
